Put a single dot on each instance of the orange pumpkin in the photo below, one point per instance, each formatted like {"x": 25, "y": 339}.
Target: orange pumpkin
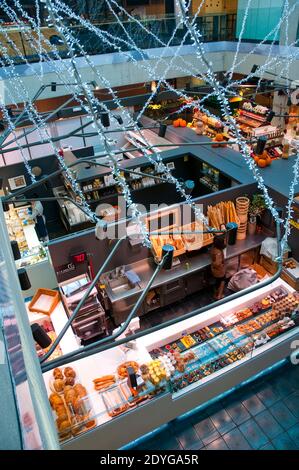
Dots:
{"x": 183, "y": 123}
{"x": 176, "y": 123}
{"x": 264, "y": 156}
{"x": 219, "y": 138}
{"x": 262, "y": 163}
{"x": 256, "y": 158}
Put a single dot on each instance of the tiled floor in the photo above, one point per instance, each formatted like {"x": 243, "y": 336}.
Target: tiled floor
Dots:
{"x": 262, "y": 415}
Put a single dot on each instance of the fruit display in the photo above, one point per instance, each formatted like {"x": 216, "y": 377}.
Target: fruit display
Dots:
{"x": 179, "y": 123}
{"x": 262, "y": 160}
{"x": 70, "y": 403}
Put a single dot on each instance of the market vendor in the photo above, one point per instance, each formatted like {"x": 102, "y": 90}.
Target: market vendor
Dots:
{"x": 40, "y": 221}
{"x": 218, "y": 266}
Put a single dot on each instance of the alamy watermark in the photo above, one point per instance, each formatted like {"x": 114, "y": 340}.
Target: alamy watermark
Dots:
{"x": 294, "y": 357}
{"x": 174, "y": 220}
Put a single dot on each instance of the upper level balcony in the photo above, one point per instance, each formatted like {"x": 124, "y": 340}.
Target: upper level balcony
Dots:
{"x": 113, "y": 36}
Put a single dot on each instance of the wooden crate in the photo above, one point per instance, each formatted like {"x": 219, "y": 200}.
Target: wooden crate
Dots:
{"x": 53, "y": 300}
{"x": 291, "y": 276}
{"x": 270, "y": 265}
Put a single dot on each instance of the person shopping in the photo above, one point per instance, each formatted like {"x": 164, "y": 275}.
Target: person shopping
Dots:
{"x": 39, "y": 219}
{"x": 218, "y": 266}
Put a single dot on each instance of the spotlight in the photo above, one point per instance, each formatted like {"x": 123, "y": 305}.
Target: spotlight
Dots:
{"x": 24, "y": 279}
{"x": 5, "y": 206}
{"x": 189, "y": 186}
{"x": 53, "y": 86}
{"x": 270, "y": 116}
{"x": 94, "y": 84}
{"x": 105, "y": 120}
{"x": 260, "y": 146}
{"x": 15, "y": 249}
{"x": 162, "y": 130}
{"x": 118, "y": 118}
{"x": 40, "y": 336}
{"x": 254, "y": 69}
{"x": 167, "y": 252}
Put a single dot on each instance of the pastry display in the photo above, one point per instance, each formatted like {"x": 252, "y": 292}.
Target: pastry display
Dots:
{"x": 158, "y": 241}
{"x": 58, "y": 385}
{"x": 70, "y": 403}
{"x": 122, "y": 369}
{"x": 115, "y": 401}
{"x": 102, "y": 383}
{"x": 290, "y": 264}
{"x": 57, "y": 374}
{"x": 221, "y": 344}
{"x": 188, "y": 341}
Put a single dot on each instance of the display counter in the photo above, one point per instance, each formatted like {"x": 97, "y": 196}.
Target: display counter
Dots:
{"x": 171, "y": 285}
{"x": 34, "y": 255}
{"x": 228, "y": 345}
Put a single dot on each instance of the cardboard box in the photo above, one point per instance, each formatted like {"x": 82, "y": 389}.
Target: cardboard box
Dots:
{"x": 291, "y": 276}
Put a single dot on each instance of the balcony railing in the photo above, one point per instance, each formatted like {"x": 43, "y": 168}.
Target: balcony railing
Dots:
{"x": 115, "y": 36}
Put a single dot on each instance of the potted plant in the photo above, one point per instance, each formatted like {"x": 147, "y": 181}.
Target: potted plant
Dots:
{"x": 256, "y": 208}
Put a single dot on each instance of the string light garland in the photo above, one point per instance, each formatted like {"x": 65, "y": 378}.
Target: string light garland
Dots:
{"x": 92, "y": 105}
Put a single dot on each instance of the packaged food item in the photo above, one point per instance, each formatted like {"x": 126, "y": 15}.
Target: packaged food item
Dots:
{"x": 102, "y": 383}
{"x": 122, "y": 369}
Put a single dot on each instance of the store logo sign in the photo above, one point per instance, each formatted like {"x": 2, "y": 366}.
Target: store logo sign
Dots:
{"x": 294, "y": 358}
{"x": 65, "y": 268}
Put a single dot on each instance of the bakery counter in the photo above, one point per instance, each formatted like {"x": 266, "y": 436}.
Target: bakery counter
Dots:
{"x": 174, "y": 283}
{"x": 110, "y": 431}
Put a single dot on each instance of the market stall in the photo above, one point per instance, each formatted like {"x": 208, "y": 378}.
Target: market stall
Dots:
{"x": 33, "y": 255}
{"x": 179, "y": 367}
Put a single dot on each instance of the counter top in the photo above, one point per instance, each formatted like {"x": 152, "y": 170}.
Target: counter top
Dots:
{"x": 232, "y": 163}
{"x": 188, "y": 265}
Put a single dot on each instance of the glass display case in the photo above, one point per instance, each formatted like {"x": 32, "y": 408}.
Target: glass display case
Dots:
{"x": 21, "y": 228}
{"x": 177, "y": 363}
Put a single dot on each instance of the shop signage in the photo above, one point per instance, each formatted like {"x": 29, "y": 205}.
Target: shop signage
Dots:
{"x": 65, "y": 268}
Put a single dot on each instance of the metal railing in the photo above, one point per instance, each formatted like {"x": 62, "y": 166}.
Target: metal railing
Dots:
{"x": 213, "y": 28}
